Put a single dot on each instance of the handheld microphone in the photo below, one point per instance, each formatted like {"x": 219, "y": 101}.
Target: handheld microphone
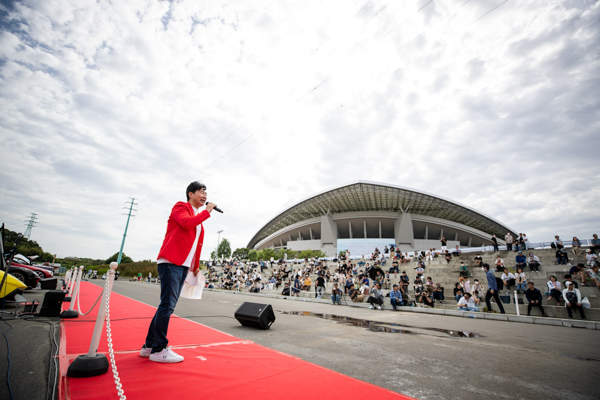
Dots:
{"x": 216, "y": 208}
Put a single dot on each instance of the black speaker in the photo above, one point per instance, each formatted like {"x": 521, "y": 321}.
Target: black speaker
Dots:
{"x": 49, "y": 283}
{"x": 255, "y": 315}
{"x": 51, "y": 307}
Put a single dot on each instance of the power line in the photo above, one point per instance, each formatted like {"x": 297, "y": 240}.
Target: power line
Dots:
{"x": 126, "y": 226}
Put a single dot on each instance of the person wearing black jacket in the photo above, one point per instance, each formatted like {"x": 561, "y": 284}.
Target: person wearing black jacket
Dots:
{"x": 534, "y": 296}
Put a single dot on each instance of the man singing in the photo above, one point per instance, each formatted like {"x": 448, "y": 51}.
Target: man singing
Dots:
{"x": 180, "y": 251}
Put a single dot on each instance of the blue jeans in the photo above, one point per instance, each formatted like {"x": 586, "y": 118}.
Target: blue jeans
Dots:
{"x": 171, "y": 282}
{"x": 335, "y": 298}
{"x": 468, "y": 308}
{"x": 521, "y": 286}
{"x": 396, "y": 303}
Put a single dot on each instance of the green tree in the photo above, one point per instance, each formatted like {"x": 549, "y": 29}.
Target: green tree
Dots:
{"x": 290, "y": 253}
{"x": 124, "y": 259}
{"x": 267, "y": 254}
{"x": 213, "y": 255}
{"x": 240, "y": 254}
{"x": 224, "y": 249}
{"x": 253, "y": 255}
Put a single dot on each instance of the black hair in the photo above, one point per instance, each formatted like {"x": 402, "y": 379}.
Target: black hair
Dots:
{"x": 567, "y": 276}
{"x": 194, "y": 187}
{"x": 487, "y": 266}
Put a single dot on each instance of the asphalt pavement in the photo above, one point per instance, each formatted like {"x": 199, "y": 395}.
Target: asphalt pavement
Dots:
{"x": 426, "y": 357}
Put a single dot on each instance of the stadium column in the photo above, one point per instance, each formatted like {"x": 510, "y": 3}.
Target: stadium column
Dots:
{"x": 329, "y": 235}
{"x": 403, "y": 230}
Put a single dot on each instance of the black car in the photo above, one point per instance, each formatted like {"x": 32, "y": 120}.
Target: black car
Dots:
{"x": 27, "y": 276}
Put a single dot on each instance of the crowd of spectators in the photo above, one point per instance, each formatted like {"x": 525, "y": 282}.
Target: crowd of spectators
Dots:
{"x": 366, "y": 278}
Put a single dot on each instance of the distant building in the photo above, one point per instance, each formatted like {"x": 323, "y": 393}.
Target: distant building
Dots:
{"x": 363, "y": 215}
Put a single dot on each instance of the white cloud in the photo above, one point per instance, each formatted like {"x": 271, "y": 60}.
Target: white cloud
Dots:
{"x": 270, "y": 102}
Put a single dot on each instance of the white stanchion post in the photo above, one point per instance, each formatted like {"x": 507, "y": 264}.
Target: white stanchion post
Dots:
{"x": 72, "y": 285}
{"x": 67, "y": 278}
{"x": 71, "y": 313}
{"x": 517, "y": 303}
{"x": 93, "y": 364}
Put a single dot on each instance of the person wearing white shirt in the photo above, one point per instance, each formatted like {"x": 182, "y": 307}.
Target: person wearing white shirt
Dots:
{"x": 477, "y": 286}
{"x": 521, "y": 280}
{"x": 590, "y": 258}
{"x": 572, "y": 297}
{"x": 467, "y": 303}
{"x": 534, "y": 263}
{"x": 509, "y": 280}
{"x": 555, "y": 289}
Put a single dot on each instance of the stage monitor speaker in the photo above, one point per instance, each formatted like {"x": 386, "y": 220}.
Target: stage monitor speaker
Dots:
{"x": 255, "y": 315}
{"x": 49, "y": 283}
{"x": 51, "y": 307}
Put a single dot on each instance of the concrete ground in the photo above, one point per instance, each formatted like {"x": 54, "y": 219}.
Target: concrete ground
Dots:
{"x": 509, "y": 360}
{"x": 31, "y": 342}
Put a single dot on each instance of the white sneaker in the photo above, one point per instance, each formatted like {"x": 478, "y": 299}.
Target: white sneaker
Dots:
{"x": 379, "y": 307}
{"x": 370, "y": 307}
{"x": 166, "y": 356}
{"x": 145, "y": 351}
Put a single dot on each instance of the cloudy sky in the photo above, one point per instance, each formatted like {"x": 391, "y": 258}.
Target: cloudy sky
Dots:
{"x": 494, "y": 104}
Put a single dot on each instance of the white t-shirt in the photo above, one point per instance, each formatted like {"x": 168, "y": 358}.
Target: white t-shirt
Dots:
{"x": 463, "y": 302}
{"x": 190, "y": 257}
{"x": 509, "y": 276}
{"x": 522, "y": 275}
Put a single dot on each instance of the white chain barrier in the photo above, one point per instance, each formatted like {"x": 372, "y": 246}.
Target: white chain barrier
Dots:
{"x": 77, "y": 283}
{"x": 96, "y": 302}
{"x": 72, "y": 282}
{"x": 108, "y": 289}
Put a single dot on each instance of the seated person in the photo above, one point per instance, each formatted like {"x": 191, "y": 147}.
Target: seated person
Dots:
{"x": 578, "y": 270}
{"x": 418, "y": 286}
{"x": 394, "y": 268}
{"x": 595, "y": 244}
{"x": 509, "y": 279}
{"x": 438, "y": 293}
{"x": 520, "y": 260}
{"x": 499, "y": 264}
{"x": 336, "y": 294}
{"x": 572, "y": 298}
{"x": 576, "y": 246}
{"x": 355, "y": 295}
{"x": 569, "y": 278}
{"x": 456, "y": 252}
{"x": 590, "y": 257}
{"x": 364, "y": 288}
{"x": 307, "y": 283}
{"x": 376, "y": 297}
{"x": 448, "y": 256}
{"x": 477, "y": 286}
{"x": 404, "y": 280}
{"x": 420, "y": 270}
{"x": 286, "y": 290}
{"x": 467, "y": 303}
{"x": 521, "y": 280}
{"x": 478, "y": 260}
{"x": 534, "y": 262}
{"x": 458, "y": 291}
{"x": 427, "y": 297}
{"x": 462, "y": 270}
{"x": 595, "y": 275}
{"x": 396, "y": 297}
{"x": 561, "y": 257}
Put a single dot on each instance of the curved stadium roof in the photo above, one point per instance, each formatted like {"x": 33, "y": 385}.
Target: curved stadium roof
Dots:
{"x": 374, "y": 196}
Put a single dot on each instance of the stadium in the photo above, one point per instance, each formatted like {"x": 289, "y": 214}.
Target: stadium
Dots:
{"x": 362, "y": 215}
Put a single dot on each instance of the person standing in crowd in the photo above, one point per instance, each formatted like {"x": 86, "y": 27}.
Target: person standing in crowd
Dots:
{"x": 443, "y": 241}
{"x": 509, "y": 241}
{"x": 495, "y": 242}
{"x": 492, "y": 290}
{"x": 534, "y": 297}
{"x": 179, "y": 253}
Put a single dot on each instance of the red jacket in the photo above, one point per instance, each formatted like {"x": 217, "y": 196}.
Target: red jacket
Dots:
{"x": 181, "y": 233}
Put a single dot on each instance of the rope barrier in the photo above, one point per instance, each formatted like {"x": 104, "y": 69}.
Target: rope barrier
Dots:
{"x": 111, "y": 354}
{"x": 96, "y": 302}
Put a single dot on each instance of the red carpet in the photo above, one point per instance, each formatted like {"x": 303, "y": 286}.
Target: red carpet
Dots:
{"x": 217, "y": 365}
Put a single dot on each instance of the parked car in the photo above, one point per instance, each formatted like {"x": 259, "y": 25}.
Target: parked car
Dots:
{"x": 41, "y": 272}
{"x": 27, "y": 276}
